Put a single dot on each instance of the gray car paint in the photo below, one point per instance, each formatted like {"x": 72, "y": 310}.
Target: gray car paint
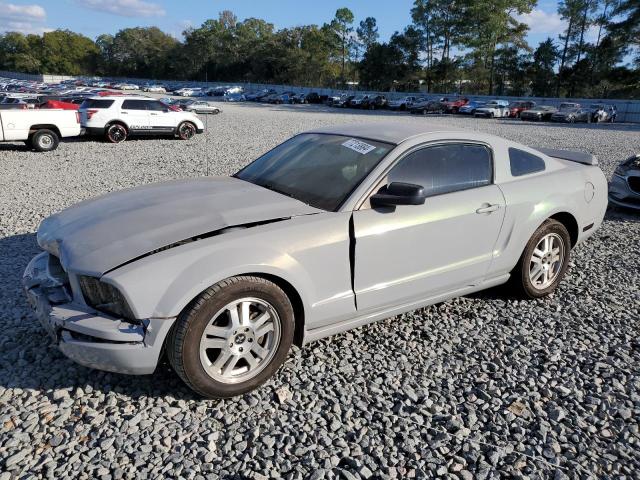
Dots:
{"x": 97, "y": 235}
{"x": 464, "y": 251}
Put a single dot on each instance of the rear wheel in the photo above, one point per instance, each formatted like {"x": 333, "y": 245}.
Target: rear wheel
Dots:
{"x": 233, "y": 338}
{"x": 186, "y": 131}
{"x": 44, "y": 140}
{"x": 116, "y": 133}
{"x": 544, "y": 261}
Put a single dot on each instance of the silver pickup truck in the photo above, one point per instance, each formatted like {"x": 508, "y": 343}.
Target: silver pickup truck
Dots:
{"x": 40, "y": 129}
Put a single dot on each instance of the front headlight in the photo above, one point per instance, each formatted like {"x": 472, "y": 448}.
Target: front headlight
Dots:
{"x": 104, "y": 297}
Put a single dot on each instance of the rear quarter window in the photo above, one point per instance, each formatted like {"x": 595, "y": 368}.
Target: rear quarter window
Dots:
{"x": 96, "y": 103}
{"x": 524, "y": 163}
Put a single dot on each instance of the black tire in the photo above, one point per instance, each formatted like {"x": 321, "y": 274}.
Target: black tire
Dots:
{"x": 116, "y": 133}
{"x": 520, "y": 278}
{"x": 183, "y": 343}
{"x": 186, "y": 131}
{"x": 44, "y": 141}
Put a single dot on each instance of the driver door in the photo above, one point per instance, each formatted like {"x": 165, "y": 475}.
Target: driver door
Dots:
{"x": 409, "y": 253}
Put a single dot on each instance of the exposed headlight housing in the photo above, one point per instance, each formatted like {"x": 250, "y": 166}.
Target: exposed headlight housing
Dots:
{"x": 105, "y": 298}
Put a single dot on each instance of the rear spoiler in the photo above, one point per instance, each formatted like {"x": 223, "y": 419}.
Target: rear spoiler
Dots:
{"x": 579, "y": 157}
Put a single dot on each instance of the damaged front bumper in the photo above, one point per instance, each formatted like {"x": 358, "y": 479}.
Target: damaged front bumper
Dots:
{"x": 85, "y": 335}
{"x": 625, "y": 191}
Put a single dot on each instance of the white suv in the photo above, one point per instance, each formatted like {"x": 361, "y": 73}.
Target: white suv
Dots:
{"x": 118, "y": 117}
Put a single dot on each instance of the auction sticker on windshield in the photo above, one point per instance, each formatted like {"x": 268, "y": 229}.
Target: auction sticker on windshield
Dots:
{"x": 358, "y": 146}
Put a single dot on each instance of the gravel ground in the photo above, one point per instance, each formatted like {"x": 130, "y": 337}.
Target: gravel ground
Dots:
{"x": 478, "y": 387}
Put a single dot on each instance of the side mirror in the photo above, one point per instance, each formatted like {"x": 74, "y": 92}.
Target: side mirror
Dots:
{"x": 398, "y": 193}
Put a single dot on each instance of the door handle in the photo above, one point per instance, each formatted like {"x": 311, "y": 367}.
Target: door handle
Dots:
{"x": 488, "y": 208}
{"x": 154, "y": 114}
{"x": 124, "y": 113}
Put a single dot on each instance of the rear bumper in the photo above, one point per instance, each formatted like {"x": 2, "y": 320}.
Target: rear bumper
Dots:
{"x": 88, "y": 337}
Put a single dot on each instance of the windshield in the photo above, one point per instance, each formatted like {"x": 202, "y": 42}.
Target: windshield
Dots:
{"x": 319, "y": 170}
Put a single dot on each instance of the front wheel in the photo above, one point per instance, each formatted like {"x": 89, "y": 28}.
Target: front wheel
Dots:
{"x": 233, "y": 337}
{"x": 186, "y": 131}
{"x": 44, "y": 141}
{"x": 544, "y": 261}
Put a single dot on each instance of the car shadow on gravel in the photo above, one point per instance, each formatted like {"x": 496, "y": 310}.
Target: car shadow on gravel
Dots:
{"x": 14, "y": 147}
{"x": 622, "y": 214}
{"x": 29, "y": 359}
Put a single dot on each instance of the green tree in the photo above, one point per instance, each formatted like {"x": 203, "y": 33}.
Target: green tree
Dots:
{"x": 342, "y": 26}
{"x": 382, "y": 65}
{"x": 626, "y": 26}
{"x": 67, "y": 53}
{"x": 542, "y": 71}
{"x": 493, "y": 24}
{"x": 142, "y": 52}
{"x": 367, "y": 32}
{"x": 18, "y": 53}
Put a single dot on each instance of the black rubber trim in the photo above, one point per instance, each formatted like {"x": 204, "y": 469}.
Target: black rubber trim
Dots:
{"x": 352, "y": 258}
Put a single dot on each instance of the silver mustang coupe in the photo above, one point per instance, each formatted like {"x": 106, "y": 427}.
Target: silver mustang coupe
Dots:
{"x": 332, "y": 229}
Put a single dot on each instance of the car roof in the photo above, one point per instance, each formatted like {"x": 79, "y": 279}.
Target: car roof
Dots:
{"x": 389, "y": 132}
{"x": 122, "y": 97}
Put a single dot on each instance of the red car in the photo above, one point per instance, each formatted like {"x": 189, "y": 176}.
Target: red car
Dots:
{"x": 516, "y": 108}
{"x": 106, "y": 93}
{"x": 452, "y": 106}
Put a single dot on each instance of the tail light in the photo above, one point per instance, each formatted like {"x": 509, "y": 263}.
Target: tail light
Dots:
{"x": 23, "y": 106}
{"x": 91, "y": 113}
{"x": 77, "y": 117}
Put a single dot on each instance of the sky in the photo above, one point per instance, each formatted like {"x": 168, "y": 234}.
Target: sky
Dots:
{"x": 94, "y": 17}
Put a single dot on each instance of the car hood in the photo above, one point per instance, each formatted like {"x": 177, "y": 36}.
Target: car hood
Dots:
{"x": 100, "y": 234}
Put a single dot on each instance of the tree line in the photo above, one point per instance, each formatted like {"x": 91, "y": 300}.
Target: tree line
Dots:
{"x": 466, "y": 46}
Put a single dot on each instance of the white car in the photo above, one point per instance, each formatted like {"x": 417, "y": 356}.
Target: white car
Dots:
{"x": 493, "y": 109}
{"x": 40, "y": 129}
{"x": 401, "y": 104}
{"x": 129, "y": 86}
{"x": 118, "y": 117}
{"x": 188, "y": 92}
{"x": 154, "y": 89}
{"x": 200, "y": 106}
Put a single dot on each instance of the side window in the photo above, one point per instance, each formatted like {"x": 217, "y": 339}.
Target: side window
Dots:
{"x": 135, "y": 104}
{"x": 156, "y": 106}
{"x": 523, "y": 163}
{"x": 445, "y": 168}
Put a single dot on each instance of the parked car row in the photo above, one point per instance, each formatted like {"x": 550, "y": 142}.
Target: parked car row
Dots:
{"x": 526, "y": 110}
{"x": 269, "y": 95}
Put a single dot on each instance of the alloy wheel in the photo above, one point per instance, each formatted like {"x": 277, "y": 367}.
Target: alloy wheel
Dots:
{"x": 240, "y": 340}
{"x": 546, "y": 261}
